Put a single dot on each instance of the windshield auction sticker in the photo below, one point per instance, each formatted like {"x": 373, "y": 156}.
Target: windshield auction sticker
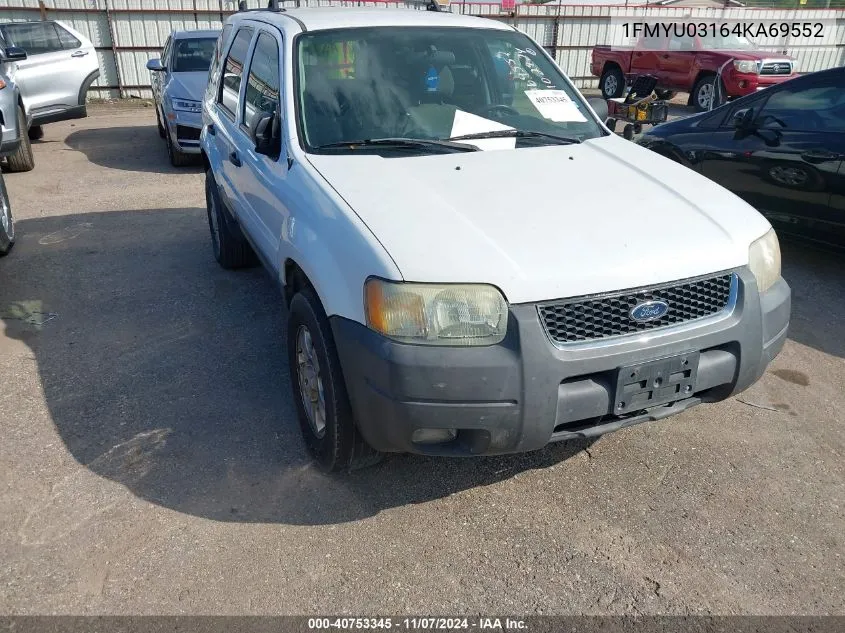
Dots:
{"x": 556, "y": 106}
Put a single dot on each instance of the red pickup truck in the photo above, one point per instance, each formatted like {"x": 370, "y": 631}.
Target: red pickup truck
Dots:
{"x": 689, "y": 64}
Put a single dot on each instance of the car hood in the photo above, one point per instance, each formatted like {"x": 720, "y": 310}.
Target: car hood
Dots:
{"x": 546, "y": 222}
{"x": 187, "y": 85}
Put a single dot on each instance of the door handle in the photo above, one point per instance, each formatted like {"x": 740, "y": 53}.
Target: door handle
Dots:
{"x": 210, "y": 129}
{"x": 638, "y": 54}
{"x": 666, "y": 56}
{"x": 235, "y": 159}
{"x": 819, "y": 156}
{"x": 79, "y": 54}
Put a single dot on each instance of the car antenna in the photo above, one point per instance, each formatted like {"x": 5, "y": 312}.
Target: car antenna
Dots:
{"x": 242, "y": 5}
{"x": 433, "y": 5}
{"x": 273, "y": 5}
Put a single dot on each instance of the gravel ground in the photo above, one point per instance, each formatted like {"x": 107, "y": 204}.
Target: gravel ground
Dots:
{"x": 150, "y": 460}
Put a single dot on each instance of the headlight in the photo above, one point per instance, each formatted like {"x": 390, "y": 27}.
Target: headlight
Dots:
{"x": 764, "y": 260}
{"x": 745, "y": 66}
{"x": 186, "y": 105}
{"x": 436, "y": 314}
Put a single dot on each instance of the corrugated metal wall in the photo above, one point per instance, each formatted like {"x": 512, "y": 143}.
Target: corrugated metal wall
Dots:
{"x": 129, "y": 32}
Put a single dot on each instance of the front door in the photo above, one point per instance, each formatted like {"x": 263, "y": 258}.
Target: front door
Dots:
{"x": 263, "y": 178}
{"x": 787, "y": 164}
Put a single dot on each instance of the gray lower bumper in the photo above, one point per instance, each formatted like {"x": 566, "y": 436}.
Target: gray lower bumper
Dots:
{"x": 525, "y": 392}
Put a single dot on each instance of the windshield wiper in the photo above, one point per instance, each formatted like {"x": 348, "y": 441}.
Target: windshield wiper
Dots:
{"x": 399, "y": 142}
{"x": 563, "y": 140}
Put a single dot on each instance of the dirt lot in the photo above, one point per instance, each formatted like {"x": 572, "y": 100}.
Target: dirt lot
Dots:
{"x": 151, "y": 462}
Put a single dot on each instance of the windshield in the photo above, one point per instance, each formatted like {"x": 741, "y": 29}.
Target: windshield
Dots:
{"x": 193, "y": 55}
{"x": 432, "y": 84}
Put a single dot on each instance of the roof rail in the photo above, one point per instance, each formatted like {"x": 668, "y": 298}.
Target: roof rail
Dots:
{"x": 272, "y": 5}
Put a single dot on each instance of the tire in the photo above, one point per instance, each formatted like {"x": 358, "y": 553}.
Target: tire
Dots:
{"x": 612, "y": 82}
{"x": 702, "y": 87}
{"x": 177, "y": 158}
{"x": 230, "y": 248}
{"x": 36, "y": 132}
{"x": 7, "y": 224}
{"x": 628, "y": 132}
{"x": 22, "y": 159}
{"x": 337, "y": 444}
{"x": 161, "y": 131}
{"x": 665, "y": 95}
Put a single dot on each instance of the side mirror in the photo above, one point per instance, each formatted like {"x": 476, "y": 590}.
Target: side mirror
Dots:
{"x": 266, "y": 134}
{"x": 599, "y": 106}
{"x": 155, "y": 65}
{"x": 742, "y": 119}
{"x": 15, "y": 54}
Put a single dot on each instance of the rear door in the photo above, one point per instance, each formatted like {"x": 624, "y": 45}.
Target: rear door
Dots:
{"x": 788, "y": 165}
{"x": 646, "y": 56}
{"x": 57, "y": 65}
{"x": 226, "y": 119}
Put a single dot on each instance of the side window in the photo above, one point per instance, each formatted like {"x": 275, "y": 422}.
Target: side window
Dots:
{"x": 262, "y": 88}
{"x": 683, "y": 43}
{"x": 811, "y": 106}
{"x": 213, "y": 76}
{"x": 34, "y": 37}
{"x": 233, "y": 69}
{"x": 68, "y": 41}
{"x": 724, "y": 115}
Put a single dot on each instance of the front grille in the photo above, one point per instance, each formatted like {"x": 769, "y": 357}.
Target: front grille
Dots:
{"x": 776, "y": 68}
{"x": 187, "y": 133}
{"x": 599, "y": 317}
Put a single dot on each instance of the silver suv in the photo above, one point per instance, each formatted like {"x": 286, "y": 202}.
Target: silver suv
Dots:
{"x": 53, "y": 67}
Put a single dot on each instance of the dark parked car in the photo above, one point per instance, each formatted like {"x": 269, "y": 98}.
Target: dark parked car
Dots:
{"x": 781, "y": 149}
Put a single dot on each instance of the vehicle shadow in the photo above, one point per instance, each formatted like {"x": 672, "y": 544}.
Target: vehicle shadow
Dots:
{"x": 818, "y": 295}
{"x": 126, "y": 148}
{"x": 168, "y": 375}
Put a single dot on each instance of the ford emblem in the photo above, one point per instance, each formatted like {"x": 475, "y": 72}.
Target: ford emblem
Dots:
{"x": 649, "y": 311}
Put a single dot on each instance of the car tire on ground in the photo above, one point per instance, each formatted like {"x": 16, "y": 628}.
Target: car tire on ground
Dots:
{"x": 230, "y": 248}
{"x": 161, "y": 131}
{"x": 22, "y": 159}
{"x": 612, "y": 82}
{"x": 177, "y": 158}
{"x": 703, "y": 91}
{"x": 7, "y": 224}
{"x": 665, "y": 95}
{"x": 36, "y": 132}
{"x": 319, "y": 390}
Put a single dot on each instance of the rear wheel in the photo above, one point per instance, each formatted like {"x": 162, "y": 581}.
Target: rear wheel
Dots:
{"x": 612, "y": 82}
{"x": 322, "y": 403}
{"x": 230, "y": 248}
{"x": 22, "y": 159}
{"x": 7, "y": 225}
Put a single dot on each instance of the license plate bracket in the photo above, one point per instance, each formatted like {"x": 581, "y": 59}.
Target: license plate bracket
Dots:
{"x": 655, "y": 382}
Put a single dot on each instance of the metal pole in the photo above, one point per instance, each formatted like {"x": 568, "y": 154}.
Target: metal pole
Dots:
{"x": 114, "y": 51}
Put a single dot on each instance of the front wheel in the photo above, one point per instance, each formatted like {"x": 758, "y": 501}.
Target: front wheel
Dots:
{"x": 704, "y": 91}
{"x": 7, "y": 225}
{"x": 322, "y": 403}
{"x": 177, "y": 158}
{"x": 230, "y": 248}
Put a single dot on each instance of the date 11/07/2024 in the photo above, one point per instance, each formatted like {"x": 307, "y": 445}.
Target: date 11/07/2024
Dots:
{"x": 417, "y": 624}
{"x": 714, "y": 30}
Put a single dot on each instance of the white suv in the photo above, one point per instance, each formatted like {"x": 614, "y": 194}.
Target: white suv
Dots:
{"x": 474, "y": 264}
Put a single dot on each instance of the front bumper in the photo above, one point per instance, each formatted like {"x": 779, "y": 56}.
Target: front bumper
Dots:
{"x": 739, "y": 85}
{"x": 184, "y": 129}
{"x": 526, "y": 392}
